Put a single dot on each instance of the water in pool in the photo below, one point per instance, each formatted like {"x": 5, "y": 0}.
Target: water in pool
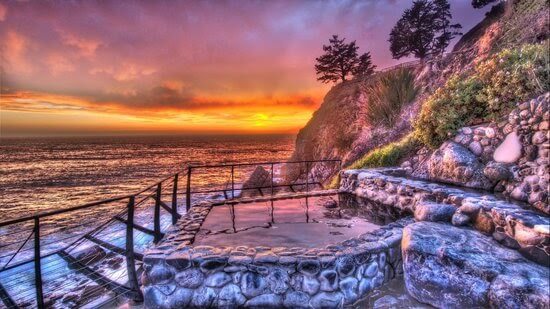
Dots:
{"x": 305, "y": 222}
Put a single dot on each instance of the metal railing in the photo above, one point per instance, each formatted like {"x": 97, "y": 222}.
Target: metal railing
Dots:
{"x": 57, "y": 239}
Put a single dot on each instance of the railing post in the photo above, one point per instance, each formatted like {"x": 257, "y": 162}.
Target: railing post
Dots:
{"x": 130, "y": 260}
{"x": 158, "y": 235}
{"x": 175, "y": 200}
{"x": 307, "y": 177}
{"x": 188, "y": 190}
{"x": 37, "y": 264}
{"x": 272, "y": 179}
{"x": 232, "y": 181}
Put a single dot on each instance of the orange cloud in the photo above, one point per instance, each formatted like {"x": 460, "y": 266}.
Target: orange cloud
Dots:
{"x": 86, "y": 47}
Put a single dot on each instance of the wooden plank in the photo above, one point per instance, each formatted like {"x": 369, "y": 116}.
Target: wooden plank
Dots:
{"x": 99, "y": 279}
{"x": 111, "y": 247}
{"x": 6, "y": 298}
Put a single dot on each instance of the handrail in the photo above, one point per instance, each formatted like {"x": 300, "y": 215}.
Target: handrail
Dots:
{"x": 131, "y": 288}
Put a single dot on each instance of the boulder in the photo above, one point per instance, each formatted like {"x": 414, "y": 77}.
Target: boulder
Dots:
{"x": 497, "y": 171}
{"x": 509, "y": 151}
{"x": 450, "y": 267}
{"x": 430, "y": 211}
{"x": 455, "y": 164}
{"x": 259, "y": 178}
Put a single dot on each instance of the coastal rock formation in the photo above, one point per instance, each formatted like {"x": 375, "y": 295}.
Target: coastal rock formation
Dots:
{"x": 450, "y": 267}
{"x": 454, "y": 163}
{"x": 511, "y": 156}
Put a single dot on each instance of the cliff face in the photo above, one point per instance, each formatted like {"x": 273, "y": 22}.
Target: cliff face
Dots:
{"x": 338, "y": 129}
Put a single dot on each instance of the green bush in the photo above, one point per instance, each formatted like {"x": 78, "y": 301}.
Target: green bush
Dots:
{"x": 388, "y": 155}
{"x": 490, "y": 91}
{"x": 388, "y": 95}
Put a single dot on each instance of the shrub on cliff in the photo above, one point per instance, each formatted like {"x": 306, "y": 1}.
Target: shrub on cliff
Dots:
{"x": 388, "y": 95}
{"x": 388, "y": 155}
{"x": 488, "y": 92}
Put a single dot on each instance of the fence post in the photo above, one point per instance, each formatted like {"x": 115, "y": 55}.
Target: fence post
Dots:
{"x": 158, "y": 235}
{"x": 37, "y": 264}
{"x": 232, "y": 181}
{"x": 271, "y": 179}
{"x": 175, "y": 200}
{"x": 307, "y": 177}
{"x": 188, "y": 190}
{"x": 130, "y": 259}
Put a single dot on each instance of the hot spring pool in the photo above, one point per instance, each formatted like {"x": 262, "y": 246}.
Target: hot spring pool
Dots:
{"x": 301, "y": 222}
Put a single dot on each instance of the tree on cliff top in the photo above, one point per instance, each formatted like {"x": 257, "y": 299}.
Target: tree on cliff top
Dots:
{"x": 364, "y": 66}
{"x": 423, "y": 30}
{"x": 338, "y": 61}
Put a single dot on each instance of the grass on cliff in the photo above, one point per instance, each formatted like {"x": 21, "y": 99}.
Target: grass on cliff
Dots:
{"x": 387, "y": 155}
{"x": 487, "y": 93}
{"x": 388, "y": 95}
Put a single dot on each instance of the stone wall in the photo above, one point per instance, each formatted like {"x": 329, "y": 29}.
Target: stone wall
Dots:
{"x": 510, "y": 156}
{"x": 178, "y": 274}
{"x": 508, "y": 223}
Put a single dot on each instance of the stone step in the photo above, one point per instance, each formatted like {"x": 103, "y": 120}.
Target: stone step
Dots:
{"x": 452, "y": 267}
{"x": 509, "y": 223}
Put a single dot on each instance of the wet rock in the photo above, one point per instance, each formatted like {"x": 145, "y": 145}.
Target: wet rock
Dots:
{"x": 278, "y": 281}
{"x": 309, "y": 267}
{"x": 295, "y": 299}
{"x": 159, "y": 274}
{"x": 213, "y": 264}
{"x": 430, "y": 211}
{"x": 371, "y": 270}
{"x": 153, "y": 298}
{"x": 345, "y": 266}
{"x": 231, "y": 296}
{"x": 180, "y": 261}
{"x": 253, "y": 284}
{"x": 327, "y": 300}
{"x": 217, "y": 280}
{"x": 364, "y": 286}
{"x": 386, "y": 302}
{"x": 204, "y": 297}
{"x": 190, "y": 278}
{"x": 445, "y": 266}
{"x": 329, "y": 280}
{"x": 180, "y": 298}
{"x": 348, "y": 286}
{"x": 310, "y": 285}
{"x": 265, "y": 301}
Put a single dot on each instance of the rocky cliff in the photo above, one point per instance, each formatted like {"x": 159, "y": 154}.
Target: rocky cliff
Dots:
{"x": 339, "y": 129}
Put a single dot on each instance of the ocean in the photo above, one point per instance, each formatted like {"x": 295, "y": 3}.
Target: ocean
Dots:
{"x": 40, "y": 174}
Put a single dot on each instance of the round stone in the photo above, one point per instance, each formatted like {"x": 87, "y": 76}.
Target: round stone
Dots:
{"x": 217, "y": 280}
{"x": 213, "y": 264}
{"x": 364, "y": 286}
{"x": 309, "y": 267}
{"x": 265, "y": 301}
{"x": 231, "y": 296}
{"x": 294, "y": 299}
{"x": 159, "y": 274}
{"x": 327, "y": 300}
{"x": 278, "y": 281}
{"x": 180, "y": 298}
{"x": 310, "y": 285}
{"x": 345, "y": 266}
{"x": 252, "y": 284}
{"x": 348, "y": 286}
{"x": 371, "y": 270}
{"x": 329, "y": 280}
{"x": 203, "y": 297}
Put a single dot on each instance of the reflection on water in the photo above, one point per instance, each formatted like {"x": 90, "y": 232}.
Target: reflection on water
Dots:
{"x": 305, "y": 222}
{"x": 391, "y": 295}
{"x": 40, "y": 174}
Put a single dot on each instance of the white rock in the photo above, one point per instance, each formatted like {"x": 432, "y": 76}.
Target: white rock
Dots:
{"x": 509, "y": 150}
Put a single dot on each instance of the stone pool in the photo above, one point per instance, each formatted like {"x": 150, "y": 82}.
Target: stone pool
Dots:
{"x": 293, "y": 253}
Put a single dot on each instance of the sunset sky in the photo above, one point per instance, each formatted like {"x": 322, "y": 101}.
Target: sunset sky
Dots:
{"x": 123, "y": 67}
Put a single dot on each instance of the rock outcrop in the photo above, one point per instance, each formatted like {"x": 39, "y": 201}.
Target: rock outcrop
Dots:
{"x": 450, "y": 267}
{"x": 511, "y": 156}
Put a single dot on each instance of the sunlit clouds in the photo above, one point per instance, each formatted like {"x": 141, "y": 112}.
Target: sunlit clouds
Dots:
{"x": 88, "y": 67}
